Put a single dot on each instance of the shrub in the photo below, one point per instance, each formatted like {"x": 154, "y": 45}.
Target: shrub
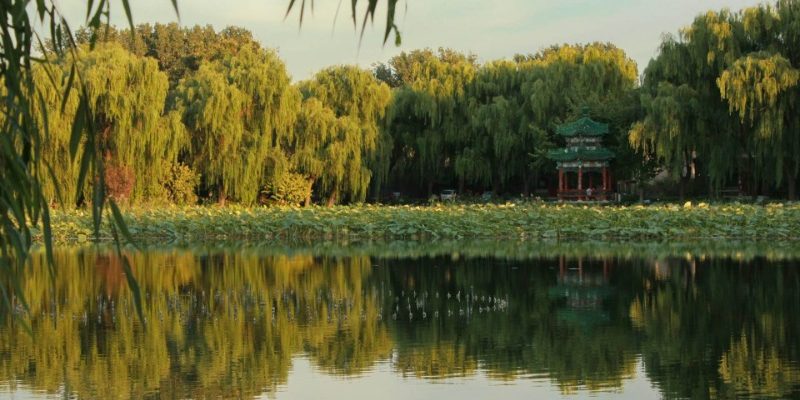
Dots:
{"x": 180, "y": 183}
{"x": 119, "y": 181}
{"x": 287, "y": 189}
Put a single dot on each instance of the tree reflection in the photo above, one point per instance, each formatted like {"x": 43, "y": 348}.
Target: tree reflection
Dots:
{"x": 229, "y": 323}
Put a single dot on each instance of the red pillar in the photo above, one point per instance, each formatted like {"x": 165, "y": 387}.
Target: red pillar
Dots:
{"x": 605, "y": 179}
{"x": 580, "y": 178}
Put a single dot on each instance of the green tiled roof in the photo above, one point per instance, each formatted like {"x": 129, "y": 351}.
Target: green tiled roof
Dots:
{"x": 583, "y": 126}
{"x": 582, "y": 153}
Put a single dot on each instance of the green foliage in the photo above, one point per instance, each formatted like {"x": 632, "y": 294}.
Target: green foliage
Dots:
{"x": 720, "y": 99}
{"x": 242, "y": 105}
{"x": 136, "y": 138}
{"x": 452, "y": 120}
{"x": 25, "y": 126}
{"x": 178, "y": 50}
{"x": 511, "y": 221}
{"x": 340, "y": 142}
{"x": 287, "y": 189}
{"x": 180, "y": 184}
{"x": 428, "y": 114}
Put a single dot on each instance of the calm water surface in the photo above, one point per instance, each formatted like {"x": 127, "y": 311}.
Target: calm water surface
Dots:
{"x": 256, "y": 324}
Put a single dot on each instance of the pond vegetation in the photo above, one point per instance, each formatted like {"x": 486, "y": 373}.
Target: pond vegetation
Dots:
{"x": 516, "y": 221}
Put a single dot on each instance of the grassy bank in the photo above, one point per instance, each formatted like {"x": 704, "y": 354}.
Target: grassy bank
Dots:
{"x": 530, "y": 221}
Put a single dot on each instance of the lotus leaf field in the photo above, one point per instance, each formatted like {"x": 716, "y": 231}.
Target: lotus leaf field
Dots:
{"x": 512, "y": 221}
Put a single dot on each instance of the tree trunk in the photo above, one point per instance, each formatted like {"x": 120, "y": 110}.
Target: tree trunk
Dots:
{"x": 333, "y": 197}
{"x": 711, "y": 192}
{"x": 791, "y": 182}
{"x": 307, "y": 202}
{"x": 222, "y": 195}
{"x": 430, "y": 188}
{"x": 526, "y": 183}
{"x": 461, "y": 185}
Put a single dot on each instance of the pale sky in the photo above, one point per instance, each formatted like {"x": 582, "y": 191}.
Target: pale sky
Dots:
{"x": 491, "y": 29}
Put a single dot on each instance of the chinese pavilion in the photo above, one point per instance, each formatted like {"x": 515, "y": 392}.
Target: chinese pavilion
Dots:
{"x": 585, "y": 158}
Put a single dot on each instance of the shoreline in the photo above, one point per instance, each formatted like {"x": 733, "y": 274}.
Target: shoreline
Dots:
{"x": 521, "y": 222}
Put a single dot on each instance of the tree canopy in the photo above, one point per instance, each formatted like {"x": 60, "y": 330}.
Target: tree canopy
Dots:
{"x": 240, "y": 106}
{"x": 341, "y": 143}
{"x": 716, "y": 105}
{"x": 137, "y": 139}
{"x": 719, "y": 99}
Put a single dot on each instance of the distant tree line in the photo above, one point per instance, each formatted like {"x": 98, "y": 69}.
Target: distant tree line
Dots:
{"x": 187, "y": 112}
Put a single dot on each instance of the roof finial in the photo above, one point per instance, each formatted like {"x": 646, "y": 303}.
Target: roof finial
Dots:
{"x": 585, "y": 111}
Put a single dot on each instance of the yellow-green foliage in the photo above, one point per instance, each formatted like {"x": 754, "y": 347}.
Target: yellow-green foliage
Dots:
{"x": 127, "y": 96}
{"x": 722, "y": 94}
{"x": 428, "y": 112}
{"x": 238, "y": 109}
{"x": 287, "y": 189}
{"x": 180, "y": 184}
{"x": 525, "y": 221}
{"x": 340, "y": 134}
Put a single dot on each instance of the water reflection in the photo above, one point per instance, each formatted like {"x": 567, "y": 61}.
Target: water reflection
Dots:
{"x": 234, "y": 323}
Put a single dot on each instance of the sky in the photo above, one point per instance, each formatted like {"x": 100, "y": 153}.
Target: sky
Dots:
{"x": 490, "y": 29}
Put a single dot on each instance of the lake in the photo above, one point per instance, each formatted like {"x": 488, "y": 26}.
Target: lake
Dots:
{"x": 392, "y": 322}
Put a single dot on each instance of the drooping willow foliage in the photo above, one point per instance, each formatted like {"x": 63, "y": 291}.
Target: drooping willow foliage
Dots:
{"x": 341, "y": 143}
{"x": 717, "y": 103}
{"x": 720, "y": 115}
{"x": 138, "y": 141}
{"x": 239, "y": 109}
{"x": 24, "y": 170}
{"x": 25, "y": 195}
{"x": 720, "y": 99}
{"x": 491, "y": 125}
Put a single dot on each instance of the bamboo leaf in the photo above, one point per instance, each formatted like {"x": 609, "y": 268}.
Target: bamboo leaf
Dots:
{"x": 68, "y": 88}
{"x": 133, "y": 285}
{"x": 119, "y": 220}
{"x": 78, "y": 124}
{"x": 126, "y": 5}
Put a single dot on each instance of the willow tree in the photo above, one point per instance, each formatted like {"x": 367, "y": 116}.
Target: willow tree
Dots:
{"x": 340, "y": 142}
{"x": 686, "y": 124}
{"x": 137, "y": 141}
{"x": 736, "y": 71}
{"x": 63, "y": 189}
{"x": 758, "y": 88}
{"x": 499, "y": 139}
{"x": 429, "y": 115}
{"x": 559, "y": 81}
{"x": 242, "y": 106}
